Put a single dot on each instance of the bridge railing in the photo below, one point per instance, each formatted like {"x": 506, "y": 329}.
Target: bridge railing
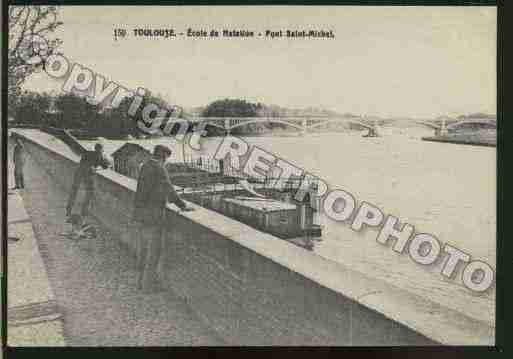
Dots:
{"x": 302, "y": 123}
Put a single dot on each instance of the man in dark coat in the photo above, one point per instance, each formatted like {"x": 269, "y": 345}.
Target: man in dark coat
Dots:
{"x": 19, "y": 160}
{"x": 154, "y": 189}
{"x": 89, "y": 162}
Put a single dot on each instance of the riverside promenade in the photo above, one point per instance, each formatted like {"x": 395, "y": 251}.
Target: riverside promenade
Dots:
{"x": 250, "y": 287}
{"x": 33, "y": 315}
{"x": 82, "y": 293}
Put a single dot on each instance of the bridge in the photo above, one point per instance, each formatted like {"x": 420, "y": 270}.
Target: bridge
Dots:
{"x": 442, "y": 125}
{"x": 306, "y": 124}
{"x": 303, "y": 124}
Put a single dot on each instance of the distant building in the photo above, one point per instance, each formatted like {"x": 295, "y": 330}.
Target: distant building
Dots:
{"x": 129, "y": 158}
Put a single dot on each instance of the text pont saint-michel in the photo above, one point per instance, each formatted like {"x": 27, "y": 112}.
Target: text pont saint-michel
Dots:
{"x": 267, "y": 33}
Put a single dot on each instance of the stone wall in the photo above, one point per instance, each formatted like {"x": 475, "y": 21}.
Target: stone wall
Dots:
{"x": 253, "y": 288}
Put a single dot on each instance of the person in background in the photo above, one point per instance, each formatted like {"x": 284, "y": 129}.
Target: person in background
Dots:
{"x": 89, "y": 163}
{"x": 19, "y": 161}
{"x": 154, "y": 189}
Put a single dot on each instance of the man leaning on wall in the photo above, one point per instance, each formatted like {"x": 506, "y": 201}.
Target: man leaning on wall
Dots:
{"x": 90, "y": 161}
{"x": 154, "y": 189}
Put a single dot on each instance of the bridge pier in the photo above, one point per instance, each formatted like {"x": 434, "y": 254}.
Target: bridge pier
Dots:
{"x": 374, "y": 131}
{"x": 443, "y": 128}
{"x": 304, "y": 128}
{"x": 227, "y": 126}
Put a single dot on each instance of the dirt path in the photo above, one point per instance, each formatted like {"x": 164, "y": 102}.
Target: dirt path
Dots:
{"x": 94, "y": 282}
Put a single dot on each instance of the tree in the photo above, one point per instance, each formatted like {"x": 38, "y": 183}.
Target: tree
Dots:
{"x": 76, "y": 112}
{"x": 231, "y": 108}
{"x": 30, "y": 33}
{"x": 31, "y": 107}
{"x": 116, "y": 121}
{"x": 157, "y": 121}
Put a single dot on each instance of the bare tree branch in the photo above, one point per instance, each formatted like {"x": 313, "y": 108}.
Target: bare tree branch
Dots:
{"x": 26, "y": 22}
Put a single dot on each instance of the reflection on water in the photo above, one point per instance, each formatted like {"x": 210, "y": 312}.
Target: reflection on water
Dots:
{"x": 446, "y": 190}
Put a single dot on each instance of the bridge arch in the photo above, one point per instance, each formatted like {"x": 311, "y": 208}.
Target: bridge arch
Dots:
{"x": 338, "y": 120}
{"x": 247, "y": 122}
{"x": 429, "y": 124}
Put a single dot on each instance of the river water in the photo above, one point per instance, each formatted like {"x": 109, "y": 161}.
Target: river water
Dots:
{"x": 446, "y": 190}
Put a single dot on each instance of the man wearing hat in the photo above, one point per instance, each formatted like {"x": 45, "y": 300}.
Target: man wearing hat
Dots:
{"x": 89, "y": 162}
{"x": 19, "y": 160}
{"x": 154, "y": 189}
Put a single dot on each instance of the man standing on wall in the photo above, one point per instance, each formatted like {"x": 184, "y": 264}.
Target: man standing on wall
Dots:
{"x": 89, "y": 162}
{"x": 19, "y": 160}
{"x": 154, "y": 189}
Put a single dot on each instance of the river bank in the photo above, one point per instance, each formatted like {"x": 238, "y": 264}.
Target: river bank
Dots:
{"x": 478, "y": 138}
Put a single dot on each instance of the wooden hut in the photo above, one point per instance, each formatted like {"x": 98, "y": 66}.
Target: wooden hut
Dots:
{"x": 129, "y": 158}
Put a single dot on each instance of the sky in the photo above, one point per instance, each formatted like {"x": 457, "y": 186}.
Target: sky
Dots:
{"x": 383, "y": 61}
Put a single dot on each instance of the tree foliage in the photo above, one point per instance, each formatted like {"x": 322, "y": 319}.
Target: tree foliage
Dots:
{"x": 27, "y": 23}
{"x": 117, "y": 119}
{"x": 75, "y": 112}
{"x": 231, "y": 108}
{"x": 31, "y": 107}
{"x": 158, "y": 119}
